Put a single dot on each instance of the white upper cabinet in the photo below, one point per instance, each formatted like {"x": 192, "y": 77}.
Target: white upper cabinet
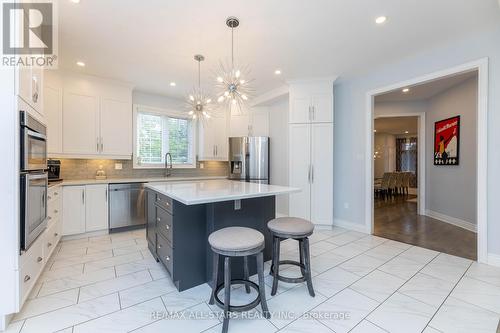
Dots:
{"x": 80, "y": 124}
{"x": 116, "y": 127}
{"x": 88, "y": 117}
{"x": 213, "y": 138}
{"x": 254, "y": 122}
{"x": 52, "y": 105}
{"x": 29, "y": 86}
{"x": 311, "y": 102}
{"x": 322, "y": 108}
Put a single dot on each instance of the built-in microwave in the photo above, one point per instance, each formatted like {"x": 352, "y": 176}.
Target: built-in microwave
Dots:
{"x": 33, "y": 143}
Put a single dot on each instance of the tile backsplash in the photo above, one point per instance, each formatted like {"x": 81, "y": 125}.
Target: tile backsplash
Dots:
{"x": 72, "y": 169}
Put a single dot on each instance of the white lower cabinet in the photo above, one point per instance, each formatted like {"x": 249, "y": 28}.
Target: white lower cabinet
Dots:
{"x": 96, "y": 207}
{"x": 31, "y": 265}
{"x": 85, "y": 208}
{"x": 73, "y": 210}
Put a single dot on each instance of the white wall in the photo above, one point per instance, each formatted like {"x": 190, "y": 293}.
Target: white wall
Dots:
{"x": 385, "y": 145}
{"x": 451, "y": 190}
{"x": 157, "y": 101}
{"x": 278, "y": 133}
{"x": 351, "y": 131}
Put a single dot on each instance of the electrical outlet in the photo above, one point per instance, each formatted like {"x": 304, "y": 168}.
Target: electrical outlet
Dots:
{"x": 118, "y": 166}
{"x": 202, "y": 165}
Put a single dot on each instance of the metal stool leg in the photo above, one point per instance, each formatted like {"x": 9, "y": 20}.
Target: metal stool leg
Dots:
{"x": 227, "y": 293}
{"x": 262, "y": 290}
{"x": 276, "y": 265}
{"x": 245, "y": 273}
{"x": 301, "y": 254}
{"x": 307, "y": 260}
{"x": 215, "y": 276}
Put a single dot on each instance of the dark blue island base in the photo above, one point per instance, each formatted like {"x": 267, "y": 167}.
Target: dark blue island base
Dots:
{"x": 177, "y": 234}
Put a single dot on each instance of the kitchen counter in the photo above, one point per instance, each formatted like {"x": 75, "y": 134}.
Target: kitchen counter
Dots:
{"x": 74, "y": 182}
{"x": 181, "y": 215}
{"x": 217, "y": 190}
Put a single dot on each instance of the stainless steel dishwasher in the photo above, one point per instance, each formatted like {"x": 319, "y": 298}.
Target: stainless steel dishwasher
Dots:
{"x": 126, "y": 205}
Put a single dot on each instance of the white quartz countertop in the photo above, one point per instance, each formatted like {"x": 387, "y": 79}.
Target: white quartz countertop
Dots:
{"x": 75, "y": 182}
{"x": 207, "y": 191}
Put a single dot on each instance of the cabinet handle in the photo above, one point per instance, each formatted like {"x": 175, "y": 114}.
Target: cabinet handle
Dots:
{"x": 312, "y": 173}
{"x": 56, "y": 234}
{"x": 83, "y": 197}
{"x": 309, "y": 115}
{"x": 106, "y": 195}
{"x": 49, "y": 244}
{"x": 56, "y": 211}
{"x": 97, "y": 144}
{"x": 49, "y": 217}
{"x": 167, "y": 258}
{"x": 309, "y": 174}
{"x": 102, "y": 145}
{"x": 39, "y": 259}
{"x": 313, "y": 112}
{"x": 27, "y": 278}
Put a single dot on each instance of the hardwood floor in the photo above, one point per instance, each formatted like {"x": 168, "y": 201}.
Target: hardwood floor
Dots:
{"x": 397, "y": 219}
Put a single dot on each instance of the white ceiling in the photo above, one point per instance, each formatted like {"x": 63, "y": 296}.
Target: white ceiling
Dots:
{"x": 152, "y": 42}
{"x": 425, "y": 90}
{"x": 397, "y": 125}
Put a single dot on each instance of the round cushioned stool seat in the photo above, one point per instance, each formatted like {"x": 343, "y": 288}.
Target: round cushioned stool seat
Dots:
{"x": 292, "y": 226}
{"x": 236, "y": 239}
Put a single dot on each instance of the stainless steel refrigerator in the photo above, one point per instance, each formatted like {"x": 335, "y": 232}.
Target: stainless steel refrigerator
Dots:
{"x": 249, "y": 159}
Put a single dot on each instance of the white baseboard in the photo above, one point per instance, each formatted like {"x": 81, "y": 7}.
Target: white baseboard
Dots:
{"x": 494, "y": 259}
{"x": 451, "y": 220}
{"x": 350, "y": 226}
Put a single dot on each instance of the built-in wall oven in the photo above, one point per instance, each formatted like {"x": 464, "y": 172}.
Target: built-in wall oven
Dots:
{"x": 33, "y": 179}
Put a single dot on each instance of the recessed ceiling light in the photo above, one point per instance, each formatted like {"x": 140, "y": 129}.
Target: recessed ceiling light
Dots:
{"x": 75, "y": 1}
{"x": 381, "y": 19}
{"x": 277, "y": 72}
{"x": 80, "y": 63}
{"x": 173, "y": 84}
{"x": 405, "y": 90}
{"x": 406, "y": 132}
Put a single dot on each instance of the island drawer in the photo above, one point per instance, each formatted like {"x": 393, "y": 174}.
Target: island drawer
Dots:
{"x": 164, "y": 202}
{"x": 164, "y": 252}
{"x": 164, "y": 223}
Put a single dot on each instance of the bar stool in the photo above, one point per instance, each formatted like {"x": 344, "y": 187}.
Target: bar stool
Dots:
{"x": 295, "y": 228}
{"x": 237, "y": 242}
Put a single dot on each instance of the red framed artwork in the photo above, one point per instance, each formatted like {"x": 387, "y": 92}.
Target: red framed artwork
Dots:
{"x": 447, "y": 141}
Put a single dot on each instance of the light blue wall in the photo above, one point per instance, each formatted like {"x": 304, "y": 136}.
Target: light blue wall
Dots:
{"x": 351, "y": 131}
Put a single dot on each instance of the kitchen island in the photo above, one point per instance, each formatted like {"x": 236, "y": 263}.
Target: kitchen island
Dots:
{"x": 181, "y": 215}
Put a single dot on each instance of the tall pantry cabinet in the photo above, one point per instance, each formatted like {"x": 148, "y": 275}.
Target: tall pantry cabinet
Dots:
{"x": 311, "y": 150}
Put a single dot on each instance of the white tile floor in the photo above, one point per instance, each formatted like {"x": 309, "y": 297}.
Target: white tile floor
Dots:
{"x": 363, "y": 284}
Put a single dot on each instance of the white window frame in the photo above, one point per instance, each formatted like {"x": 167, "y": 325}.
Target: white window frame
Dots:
{"x": 138, "y": 108}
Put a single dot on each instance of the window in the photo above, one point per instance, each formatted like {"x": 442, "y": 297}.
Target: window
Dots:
{"x": 158, "y": 132}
